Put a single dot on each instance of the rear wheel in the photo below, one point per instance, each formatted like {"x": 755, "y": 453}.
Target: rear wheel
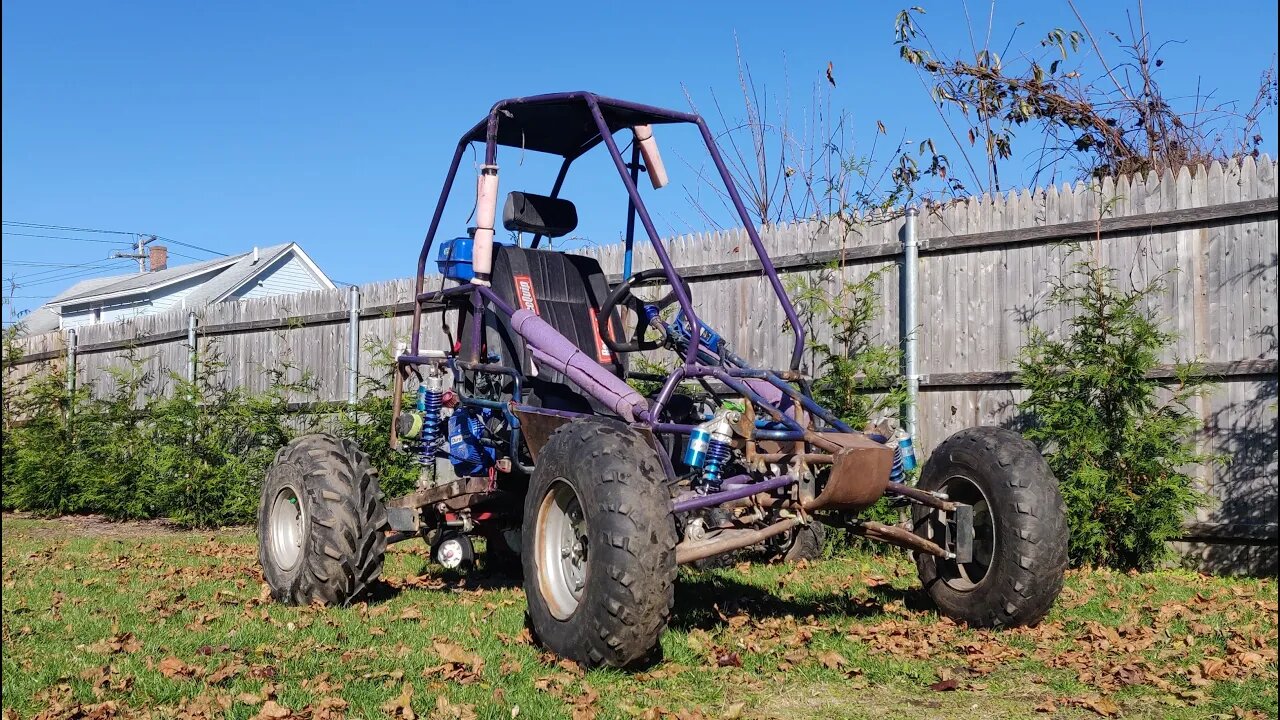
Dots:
{"x": 598, "y": 545}
{"x": 321, "y": 522}
{"x": 805, "y": 542}
{"x": 1019, "y": 524}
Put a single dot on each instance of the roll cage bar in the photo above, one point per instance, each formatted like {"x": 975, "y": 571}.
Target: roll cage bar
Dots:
{"x": 571, "y": 124}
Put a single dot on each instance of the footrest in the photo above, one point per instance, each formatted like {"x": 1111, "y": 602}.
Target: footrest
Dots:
{"x": 403, "y": 519}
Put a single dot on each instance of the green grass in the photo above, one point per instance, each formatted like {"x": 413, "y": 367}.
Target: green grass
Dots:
{"x": 851, "y": 637}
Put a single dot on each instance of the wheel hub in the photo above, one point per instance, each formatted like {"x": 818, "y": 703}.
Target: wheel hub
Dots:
{"x": 969, "y": 575}
{"x": 562, "y": 549}
{"x": 288, "y": 520}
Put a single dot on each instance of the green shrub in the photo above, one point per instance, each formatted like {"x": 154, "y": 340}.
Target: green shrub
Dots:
{"x": 369, "y": 424}
{"x": 855, "y": 376}
{"x": 1118, "y": 440}
{"x": 196, "y": 457}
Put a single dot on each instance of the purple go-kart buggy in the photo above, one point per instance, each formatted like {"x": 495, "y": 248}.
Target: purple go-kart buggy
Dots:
{"x": 529, "y": 435}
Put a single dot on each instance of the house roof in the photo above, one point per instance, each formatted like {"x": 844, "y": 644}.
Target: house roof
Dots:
{"x": 236, "y": 270}
{"x": 39, "y": 321}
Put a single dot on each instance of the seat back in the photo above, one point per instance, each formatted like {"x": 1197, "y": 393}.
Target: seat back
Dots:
{"x": 564, "y": 290}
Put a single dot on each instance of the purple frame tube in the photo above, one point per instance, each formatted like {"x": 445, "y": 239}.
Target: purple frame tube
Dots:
{"x": 429, "y": 240}
{"x": 481, "y": 295}
{"x": 732, "y": 492}
{"x": 645, "y": 221}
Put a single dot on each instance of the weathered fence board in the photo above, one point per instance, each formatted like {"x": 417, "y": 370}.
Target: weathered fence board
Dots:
{"x": 986, "y": 265}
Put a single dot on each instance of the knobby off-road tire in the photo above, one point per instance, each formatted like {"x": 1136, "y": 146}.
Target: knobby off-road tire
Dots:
{"x": 321, "y": 522}
{"x": 598, "y": 546}
{"x": 1019, "y": 523}
{"x": 806, "y": 542}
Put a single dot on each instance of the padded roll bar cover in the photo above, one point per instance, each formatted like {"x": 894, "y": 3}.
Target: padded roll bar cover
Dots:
{"x": 486, "y": 208}
{"x": 539, "y": 214}
{"x": 550, "y": 347}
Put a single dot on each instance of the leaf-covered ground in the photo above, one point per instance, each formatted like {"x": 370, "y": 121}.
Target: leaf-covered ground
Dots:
{"x": 130, "y": 624}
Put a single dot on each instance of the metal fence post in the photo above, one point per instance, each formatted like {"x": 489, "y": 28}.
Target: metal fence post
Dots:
{"x": 191, "y": 346}
{"x": 907, "y": 321}
{"x": 71, "y": 361}
{"x": 353, "y": 347}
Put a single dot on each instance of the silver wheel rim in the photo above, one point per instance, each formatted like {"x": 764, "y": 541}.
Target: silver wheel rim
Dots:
{"x": 561, "y": 549}
{"x": 288, "y": 518}
{"x": 968, "y": 576}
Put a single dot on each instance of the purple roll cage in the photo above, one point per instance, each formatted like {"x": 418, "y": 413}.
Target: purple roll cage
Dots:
{"x": 570, "y": 124}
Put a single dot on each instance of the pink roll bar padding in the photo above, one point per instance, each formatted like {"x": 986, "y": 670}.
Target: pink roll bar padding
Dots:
{"x": 486, "y": 211}
{"x": 550, "y": 347}
{"x": 652, "y": 158}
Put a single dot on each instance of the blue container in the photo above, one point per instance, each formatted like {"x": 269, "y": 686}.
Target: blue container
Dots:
{"x": 454, "y": 259}
{"x": 906, "y": 451}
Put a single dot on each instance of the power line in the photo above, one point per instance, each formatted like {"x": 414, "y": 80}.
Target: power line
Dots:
{"x": 66, "y": 228}
{"x": 87, "y": 272}
{"x": 189, "y": 245}
{"x": 33, "y": 263}
{"x": 54, "y": 271}
{"x": 64, "y": 237}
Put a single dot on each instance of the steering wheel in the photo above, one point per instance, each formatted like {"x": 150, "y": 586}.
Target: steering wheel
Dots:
{"x": 621, "y": 295}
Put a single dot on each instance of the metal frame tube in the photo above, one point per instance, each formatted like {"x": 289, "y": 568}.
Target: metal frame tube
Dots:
{"x": 910, "y": 260}
{"x": 72, "y": 342}
{"x": 797, "y": 352}
{"x": 734, "y": 539}
{"x": 353, "y": 347}
{"x": 732, "y": 492}
{"x": 686, "y": 305}
{"x": 191, "y": 346}
{"x": 429, "y": 240}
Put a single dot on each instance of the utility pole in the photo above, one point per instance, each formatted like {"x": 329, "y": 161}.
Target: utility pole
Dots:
{"x": 141, "y": 254}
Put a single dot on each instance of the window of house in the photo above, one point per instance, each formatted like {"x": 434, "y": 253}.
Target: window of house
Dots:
{"x": 97, "y": 314}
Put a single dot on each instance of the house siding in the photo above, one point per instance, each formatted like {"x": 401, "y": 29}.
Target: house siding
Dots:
{"x": 172, "y": 296}
{"x": 81, "y": 316}
{"x": 286, "y": 276}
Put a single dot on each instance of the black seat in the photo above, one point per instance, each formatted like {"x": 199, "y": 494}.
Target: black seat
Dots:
{"x": 566, "y": 291}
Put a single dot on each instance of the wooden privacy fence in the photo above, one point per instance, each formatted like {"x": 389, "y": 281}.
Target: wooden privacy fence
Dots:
{"x": 983, "y": 281}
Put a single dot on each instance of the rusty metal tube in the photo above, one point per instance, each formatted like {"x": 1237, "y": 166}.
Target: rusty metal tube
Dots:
{"x": 920, "y": 496}
{"x": 815, "y": 458}
{"x": 901, "y": 537}
{"x": 687, "y": 552}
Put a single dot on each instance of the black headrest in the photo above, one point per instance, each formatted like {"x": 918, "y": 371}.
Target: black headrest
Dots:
{"x": 539, "y": 214}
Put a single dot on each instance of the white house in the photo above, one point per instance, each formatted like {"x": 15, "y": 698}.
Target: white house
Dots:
{"x": 277, "y": 270}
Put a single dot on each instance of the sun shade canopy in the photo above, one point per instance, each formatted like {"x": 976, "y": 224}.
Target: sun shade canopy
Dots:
{"x": 562, "y": 124}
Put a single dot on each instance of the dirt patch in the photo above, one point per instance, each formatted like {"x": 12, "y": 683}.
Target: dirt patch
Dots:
{"x": 98, "y": 526}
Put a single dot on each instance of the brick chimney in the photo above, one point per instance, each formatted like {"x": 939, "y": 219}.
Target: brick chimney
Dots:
{"x": 159, "y": 258}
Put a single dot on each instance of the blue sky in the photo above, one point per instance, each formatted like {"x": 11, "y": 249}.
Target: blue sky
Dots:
{"x": 230, "y": 125}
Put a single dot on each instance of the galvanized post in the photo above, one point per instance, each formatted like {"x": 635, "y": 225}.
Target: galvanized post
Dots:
{"x": 71, "y": 362}
{"x": 353, "y": 347}
{"x": 191, "y": 346}
{"x": 907, "y": 321}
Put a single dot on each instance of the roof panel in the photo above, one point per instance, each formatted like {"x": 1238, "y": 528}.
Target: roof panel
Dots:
{"x": 562, "y": 123}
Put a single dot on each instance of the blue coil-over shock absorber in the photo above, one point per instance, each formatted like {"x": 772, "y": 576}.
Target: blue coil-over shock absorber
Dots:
{"x": 717, "y": 458}
{"x": 710, "y": 448}
{"x": 430, "y": 397}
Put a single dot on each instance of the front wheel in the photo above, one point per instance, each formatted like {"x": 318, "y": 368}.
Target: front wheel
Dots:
{"x": 598, "y": 545}
{"x": 1019, "y": 523}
